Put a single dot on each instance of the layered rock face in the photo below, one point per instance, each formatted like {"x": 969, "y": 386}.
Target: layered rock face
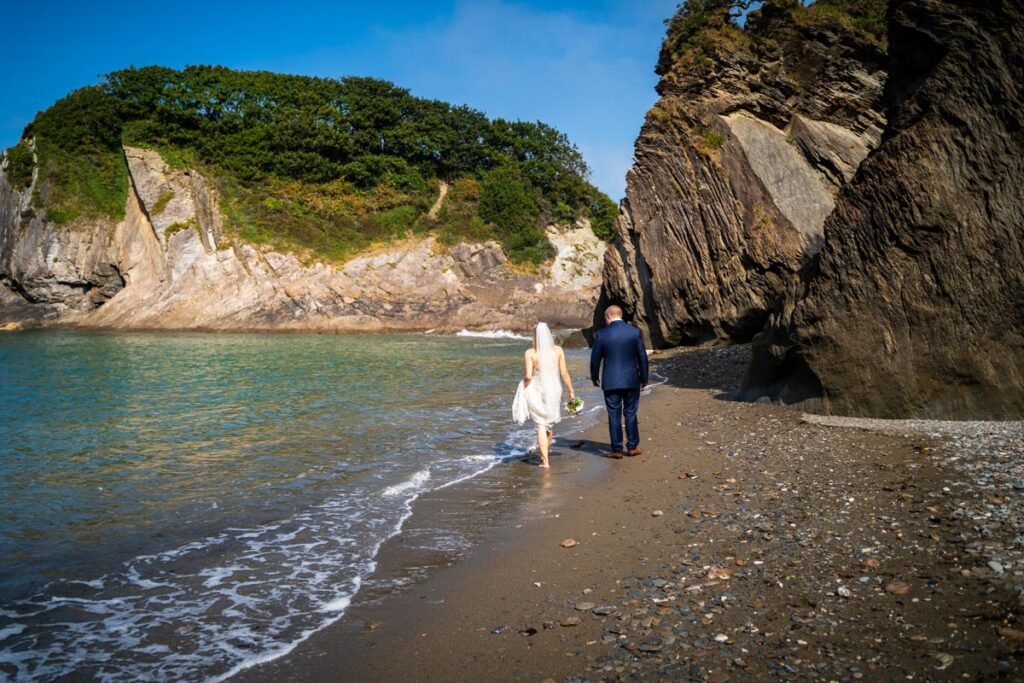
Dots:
{"x": 169, "y": 264}
{"x": 48, "y": 265}
{"x": 915, "y": 305}
{"x": 737, "y": 167}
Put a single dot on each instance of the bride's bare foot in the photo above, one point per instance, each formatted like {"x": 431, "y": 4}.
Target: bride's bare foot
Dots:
{"x": 545, "y": 465}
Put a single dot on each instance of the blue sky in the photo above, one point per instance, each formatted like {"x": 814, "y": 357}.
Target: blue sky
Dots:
{"x": 584, "y": 66}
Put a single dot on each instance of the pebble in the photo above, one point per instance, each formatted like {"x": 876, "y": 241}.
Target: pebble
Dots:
{"x": 1011, "y": 633}
{"x": 996, "y": 566}
{"x": 585, "y": 606}
{"x": 569, "y": 543}
{"x": 604, "y": 610}
{"x": 570, "y": 621}
{"x": 719, "y": 573}
{"x": 778, "y": 513}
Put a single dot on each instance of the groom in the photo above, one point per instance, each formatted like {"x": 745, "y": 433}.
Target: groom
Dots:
{"x": 621, "y": 348}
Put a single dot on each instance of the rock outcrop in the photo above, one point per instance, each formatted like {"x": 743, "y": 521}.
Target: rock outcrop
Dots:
{"x": 915, "y": 304}
{"x": 170, "y": 264}
{"x": 46, "y": 265}
{"x": 736, "y": 168}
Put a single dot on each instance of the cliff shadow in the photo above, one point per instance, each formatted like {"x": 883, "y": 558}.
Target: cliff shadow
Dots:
{"x": 719, "y": 369}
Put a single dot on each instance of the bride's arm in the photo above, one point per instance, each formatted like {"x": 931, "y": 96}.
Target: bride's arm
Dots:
{"x": 528, "y": 369}
{"x": 565, "y": 373}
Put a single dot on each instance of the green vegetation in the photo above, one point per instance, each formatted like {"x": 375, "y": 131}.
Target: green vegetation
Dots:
{"x": 20, "y": 165}
{"x": 509, "y": 201}
{"x": 865, "y": 15}
{"x": 161, "y": 202}
{"x": 329, "y": 165}
{"x": 459, "y": 217}
{"x": 603, "y": 212}
{"x": 78, "y": 144}
{"x": 711, "y": 138}
{"x": 698, "y": 24}
{"x": 178, "y": 226}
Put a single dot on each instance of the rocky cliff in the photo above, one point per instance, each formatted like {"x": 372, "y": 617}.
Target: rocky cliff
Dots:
{"x": 736, "y": 168}
{"x": 915, "y": 305}
{"x": 171, "y": 264}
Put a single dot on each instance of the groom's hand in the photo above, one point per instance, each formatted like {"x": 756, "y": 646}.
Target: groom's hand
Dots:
{"x": 596, "y": 383}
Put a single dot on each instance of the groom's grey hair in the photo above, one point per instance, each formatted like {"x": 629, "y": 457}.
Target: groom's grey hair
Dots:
{"x": 612, "y": 312}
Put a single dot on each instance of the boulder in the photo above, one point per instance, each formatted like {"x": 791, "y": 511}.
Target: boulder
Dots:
{"x": 914, "y": 307}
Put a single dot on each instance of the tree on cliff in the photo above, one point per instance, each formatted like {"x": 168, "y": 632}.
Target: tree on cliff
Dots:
{"x": 362, "y": 146}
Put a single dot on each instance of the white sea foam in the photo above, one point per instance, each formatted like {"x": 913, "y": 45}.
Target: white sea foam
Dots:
{"x": 11, "y": 630}
{"x": 338, "y": 605}
{"x": 233, "y": 613}
{"x": 238, "y": 598}
{"x": 492, "y": 334}
{"x": 415, "y": 482}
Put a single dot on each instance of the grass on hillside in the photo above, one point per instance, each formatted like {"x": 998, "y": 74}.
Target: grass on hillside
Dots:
{"x": 20, "y": 165}
{"x": 78, "y": 187}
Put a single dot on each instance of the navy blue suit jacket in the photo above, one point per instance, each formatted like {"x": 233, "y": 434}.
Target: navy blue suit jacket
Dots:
{"x": 621, "y": 347}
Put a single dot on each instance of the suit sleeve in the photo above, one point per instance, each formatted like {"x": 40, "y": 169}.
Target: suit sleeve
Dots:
{"x": 641, "y": 357}
{"x": 596, "y": 354}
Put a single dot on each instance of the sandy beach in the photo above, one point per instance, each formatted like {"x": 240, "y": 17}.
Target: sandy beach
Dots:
{"x": 746, "y": 543}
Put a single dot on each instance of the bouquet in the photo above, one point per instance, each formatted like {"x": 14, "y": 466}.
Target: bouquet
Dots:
{"x": 574, "y": 406}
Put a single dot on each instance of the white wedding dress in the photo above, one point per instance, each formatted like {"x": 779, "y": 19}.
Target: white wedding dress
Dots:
{"x": 541, "y": 399}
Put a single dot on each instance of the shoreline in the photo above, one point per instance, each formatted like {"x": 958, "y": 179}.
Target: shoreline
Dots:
{"x": 524, "y": 332}
{"x": 745, "y": 543}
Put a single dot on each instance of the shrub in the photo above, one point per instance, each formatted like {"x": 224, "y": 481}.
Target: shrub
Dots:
{"x": 603, "y": 212}
{"x": 507, "y": 201}
{"x": 397, "y": 222}
{"x": 20, "y": 165}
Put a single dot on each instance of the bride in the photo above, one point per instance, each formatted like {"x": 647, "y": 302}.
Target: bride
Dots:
{"x": 540, "y": 393}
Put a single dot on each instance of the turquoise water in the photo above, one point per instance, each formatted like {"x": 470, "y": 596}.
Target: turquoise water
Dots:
{"x": 176, "y": 506}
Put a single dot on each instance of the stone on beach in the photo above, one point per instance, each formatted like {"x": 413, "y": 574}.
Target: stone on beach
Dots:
{"x": 1011, "y": 633}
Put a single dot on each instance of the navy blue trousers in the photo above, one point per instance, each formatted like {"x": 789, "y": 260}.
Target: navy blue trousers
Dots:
{"x": 622, "y": 402}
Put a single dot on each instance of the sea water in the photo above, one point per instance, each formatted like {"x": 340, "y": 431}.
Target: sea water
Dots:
{"x": 181, "y": 506}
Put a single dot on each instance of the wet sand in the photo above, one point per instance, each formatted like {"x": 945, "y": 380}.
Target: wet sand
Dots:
{"x": 744, "y": 544}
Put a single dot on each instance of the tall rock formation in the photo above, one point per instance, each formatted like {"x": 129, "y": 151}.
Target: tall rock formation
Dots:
{"x": 737, "y": 167}
{"x": 170, "y": 264}
{"x": 915, "y": 305}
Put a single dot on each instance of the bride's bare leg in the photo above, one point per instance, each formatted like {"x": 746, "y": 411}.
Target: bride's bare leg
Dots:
{"x": 543, "y": 444}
